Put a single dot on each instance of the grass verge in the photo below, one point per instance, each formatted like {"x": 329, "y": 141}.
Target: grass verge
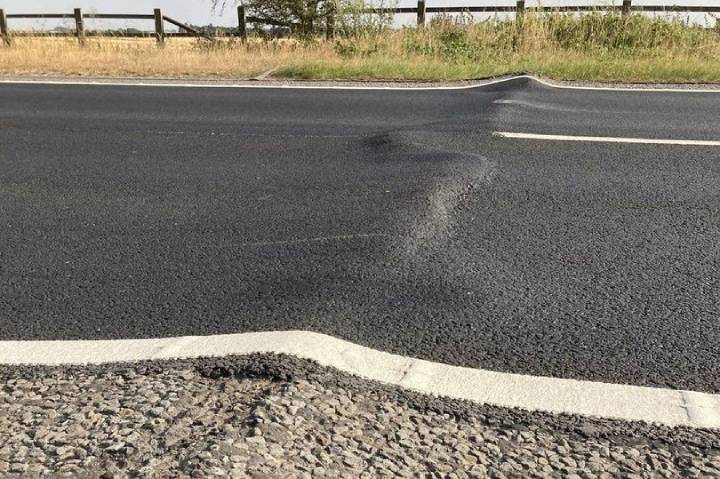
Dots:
{"x": 593, "y": 47}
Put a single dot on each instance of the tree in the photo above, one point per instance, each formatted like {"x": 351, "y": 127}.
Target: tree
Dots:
{"x": 300, "y": 17}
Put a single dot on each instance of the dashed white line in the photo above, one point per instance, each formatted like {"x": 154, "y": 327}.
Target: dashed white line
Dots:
{"x": 586, "y": 398}
{"x": 605, "y": 139}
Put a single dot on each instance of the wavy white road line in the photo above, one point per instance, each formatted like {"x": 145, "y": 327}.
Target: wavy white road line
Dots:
{"x": 478, "y": 84}
{"x": 587, "y": 398}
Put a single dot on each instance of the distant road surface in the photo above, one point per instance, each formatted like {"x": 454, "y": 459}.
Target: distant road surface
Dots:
{"x": 478, "y": 227}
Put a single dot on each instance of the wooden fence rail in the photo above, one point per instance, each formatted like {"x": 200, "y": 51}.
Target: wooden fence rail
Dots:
{"x": 625, "y": 7}
{"x": 421, "y": 10}
{"x": 79, "y": 17}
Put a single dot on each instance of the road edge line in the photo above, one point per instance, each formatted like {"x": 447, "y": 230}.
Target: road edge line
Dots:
{"x": 535, "y": 393}
{"x": 144, "y": 82}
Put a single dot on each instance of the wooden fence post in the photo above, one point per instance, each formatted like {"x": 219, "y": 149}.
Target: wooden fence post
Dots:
{"x": 627, "y": 4}
{"x": 4, "y": 33}
{"x": 79, "y": 25}
{"x": 421, "y": 13}
{"x": 519, "y": 24}
{"x": 159, "y": 26}
{"x": 330, "y": 22}
{"x": 242, "y": 23}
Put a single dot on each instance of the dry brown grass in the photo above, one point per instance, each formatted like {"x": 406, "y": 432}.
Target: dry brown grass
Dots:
{"x": 118, "y": 57}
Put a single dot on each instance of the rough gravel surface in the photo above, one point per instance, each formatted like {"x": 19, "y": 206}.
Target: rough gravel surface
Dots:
{"x": 275, "y": 416}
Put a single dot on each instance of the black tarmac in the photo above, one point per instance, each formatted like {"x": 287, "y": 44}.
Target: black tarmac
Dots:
{"x": 394, "y": 219}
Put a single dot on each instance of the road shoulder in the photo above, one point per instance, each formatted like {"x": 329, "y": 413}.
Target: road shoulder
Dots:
{"x": 270, "y": 81}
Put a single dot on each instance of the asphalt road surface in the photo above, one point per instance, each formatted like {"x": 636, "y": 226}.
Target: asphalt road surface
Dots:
{"x": 394, "y": 219}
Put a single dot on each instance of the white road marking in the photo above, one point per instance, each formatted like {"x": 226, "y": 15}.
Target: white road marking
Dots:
{"x": 587, "y": 398}
{"x": 478, "y": 84}
{"x": 605, "y": 139}
{"x": 609, "y": 87}
{"x": 200, "y": 84}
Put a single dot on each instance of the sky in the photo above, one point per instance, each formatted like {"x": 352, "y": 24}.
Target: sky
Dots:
{"x": 199, "y": 12}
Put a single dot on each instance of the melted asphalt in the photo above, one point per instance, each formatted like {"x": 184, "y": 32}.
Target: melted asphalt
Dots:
{"x": 393, "y": 219}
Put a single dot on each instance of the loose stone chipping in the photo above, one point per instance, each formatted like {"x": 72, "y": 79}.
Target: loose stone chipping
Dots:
{"x": 281, "y": 417}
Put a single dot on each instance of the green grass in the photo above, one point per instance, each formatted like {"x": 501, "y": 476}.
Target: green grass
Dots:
{"x": 593, "y": 47}
{"x": 564, "y": 66}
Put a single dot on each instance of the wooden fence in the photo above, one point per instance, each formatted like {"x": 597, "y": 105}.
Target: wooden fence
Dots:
{"x": 79, "y": 17}
{"x": 520, "y": 7}
{"x": 420, "y": 11}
